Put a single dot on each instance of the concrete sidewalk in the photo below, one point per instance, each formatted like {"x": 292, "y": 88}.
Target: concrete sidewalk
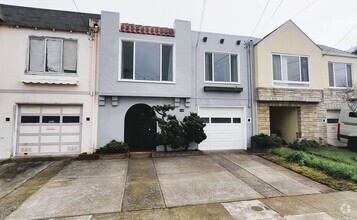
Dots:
{"x": 219, "y": 185}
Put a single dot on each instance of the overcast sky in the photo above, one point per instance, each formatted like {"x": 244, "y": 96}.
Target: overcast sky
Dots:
{"x": 324, "y": 21}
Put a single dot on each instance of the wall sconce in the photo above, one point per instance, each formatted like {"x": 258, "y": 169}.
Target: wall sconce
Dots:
{"x": 205, "y": 39}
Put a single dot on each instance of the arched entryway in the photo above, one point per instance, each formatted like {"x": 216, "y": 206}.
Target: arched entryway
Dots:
{"x": 140, "y": 128}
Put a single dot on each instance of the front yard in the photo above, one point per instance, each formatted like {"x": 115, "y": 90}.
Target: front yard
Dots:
{"x": 336, "y": 167}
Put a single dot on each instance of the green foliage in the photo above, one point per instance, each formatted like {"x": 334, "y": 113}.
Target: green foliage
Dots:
{"x": 193, "y": 129}
{"x": 297, "y": 157}
{"x": 304, "y": 144}
{"x": 176, "y": 134}
{"x": 113, "y": 147}
{"x": 332, "y": 168}
{"x": 266, "y": 141}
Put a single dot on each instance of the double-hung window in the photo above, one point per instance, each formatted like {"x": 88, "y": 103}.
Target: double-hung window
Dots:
{"x": 221, "y": 67}
{"x": 290, "y": 71}
{"x": 340, "y": 75}
{"x": 146, "y": 61}
{"x": 52, "y": 55}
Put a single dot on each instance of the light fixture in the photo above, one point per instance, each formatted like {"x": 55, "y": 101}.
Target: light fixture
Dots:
{"x": 204, "y": 39}
{"x": 221, "y": 41}
{"x": 238, "y": 42}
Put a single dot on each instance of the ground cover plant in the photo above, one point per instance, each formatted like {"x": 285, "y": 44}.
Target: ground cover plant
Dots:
{"x": 330, "y": 165}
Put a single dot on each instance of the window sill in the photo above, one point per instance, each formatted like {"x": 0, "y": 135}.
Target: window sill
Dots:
{"x": 146, "y": 81}
{"x": 51, "y": 74}
{"x": 291, "y": 85}
{"x": 50, "y": 80}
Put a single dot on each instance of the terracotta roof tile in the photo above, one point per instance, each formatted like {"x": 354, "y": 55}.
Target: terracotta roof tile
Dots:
{"x": 140, "y": 29}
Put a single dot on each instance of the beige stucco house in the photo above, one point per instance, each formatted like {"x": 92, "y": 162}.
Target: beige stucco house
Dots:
{"x": 300, "y": 85}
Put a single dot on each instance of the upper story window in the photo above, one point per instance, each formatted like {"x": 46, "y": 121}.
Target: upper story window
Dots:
{"x": 146, "y": 61}
{"x": 52, "y": 55}
{"x": 221, "y": 67}
{"x": 340, "y": 75}
{"x": 290, "y": 71}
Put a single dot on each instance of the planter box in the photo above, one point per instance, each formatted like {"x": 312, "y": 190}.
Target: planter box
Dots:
{"x": 162, "y": 154}
{"x": 113, "y": 156}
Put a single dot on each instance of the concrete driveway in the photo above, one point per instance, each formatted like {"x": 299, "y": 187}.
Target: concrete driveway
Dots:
{"x": 218, "y": 185}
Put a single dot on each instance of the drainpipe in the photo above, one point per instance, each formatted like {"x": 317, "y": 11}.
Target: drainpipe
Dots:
{"x": 249, "y": 46}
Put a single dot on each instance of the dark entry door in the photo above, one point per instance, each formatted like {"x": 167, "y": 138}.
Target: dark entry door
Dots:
{"x": 140, "y": 128}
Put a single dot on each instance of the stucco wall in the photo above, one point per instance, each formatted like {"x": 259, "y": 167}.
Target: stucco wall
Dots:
{"x": 13, "y": 60}
{"x": 288, "y": 39}
{"x": 109, "y": 63}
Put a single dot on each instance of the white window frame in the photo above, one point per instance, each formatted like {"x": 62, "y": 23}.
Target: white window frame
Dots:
{"x": 152, "y": 42}
{"x": 61, "y": 73}
{"x": 230, "y": 67}
{"x": 334, "y": 75}
{"x": 277, "y": 82}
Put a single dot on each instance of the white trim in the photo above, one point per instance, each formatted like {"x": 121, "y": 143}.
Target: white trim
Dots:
{"x": 161, "y": 43}
{"x": 281, "y": 73}
{"x": 230, "y": 68}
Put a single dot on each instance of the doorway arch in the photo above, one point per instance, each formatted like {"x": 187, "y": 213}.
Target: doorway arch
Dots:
{"x": 140, "y": 128}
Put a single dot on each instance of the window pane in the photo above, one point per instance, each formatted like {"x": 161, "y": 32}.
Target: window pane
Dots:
{"x": 167, "y": 69}
{"x": 349, "y": 75}
{"x": 291, "y": 69}
{"x": 147, "y": 61}
{"x": 208, "y": 67}
{"x": 37, "y": 54}
{"x": 70, "y": 56}
{"x": 221, "y": 67}
{"x": 330, "y": 74}
{"x": 70, "y": 119}
{"x": 234, "y": 68}
{"x": 221, "y": 120}
{"x": 276, "y": 67}
{"x": 205, "y": 120}
{"x": 340, "y": 75}
{"x": 127, "y": 60}
{"x": 53, "y": 55}
{"x": 50, "y": 119}
{"x": 30, "y": 119}
{"x": 304, "y": 69}
{"x": 236, "y": 120}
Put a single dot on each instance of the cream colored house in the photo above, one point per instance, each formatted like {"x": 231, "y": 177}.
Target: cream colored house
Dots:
{"x": 300, "y": 85}
{"x": 47, "y": 86}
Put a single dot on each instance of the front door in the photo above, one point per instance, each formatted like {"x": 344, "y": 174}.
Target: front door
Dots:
{"x": 140, "y": 128}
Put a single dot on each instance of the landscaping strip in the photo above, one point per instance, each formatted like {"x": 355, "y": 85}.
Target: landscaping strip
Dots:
{"x": 312, "y": 173}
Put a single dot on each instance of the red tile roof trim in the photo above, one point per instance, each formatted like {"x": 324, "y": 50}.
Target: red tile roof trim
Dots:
{"x": 139, "y": 29}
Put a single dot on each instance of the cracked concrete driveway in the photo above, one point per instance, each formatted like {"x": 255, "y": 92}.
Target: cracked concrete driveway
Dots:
{"x": 218, "y": 185}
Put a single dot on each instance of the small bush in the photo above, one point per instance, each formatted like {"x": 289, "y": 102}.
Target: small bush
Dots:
{"x": 304, "y": 145}
{"x": 113, "y": 147}
{"x": 266, "y": 141}
{"x": 193, "y": 129}
{"x": 297, "y": 157}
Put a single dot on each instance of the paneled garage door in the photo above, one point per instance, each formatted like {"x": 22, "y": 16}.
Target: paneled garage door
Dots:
{"x": 48, "y": 130}
{"x": 332, "y": 122}
{"x": 225, "y": 128}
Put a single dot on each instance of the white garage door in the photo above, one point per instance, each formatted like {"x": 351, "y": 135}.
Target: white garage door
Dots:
{"x": 48, "y": 130}
{"x": 225, "y": 128}
{"x": 332, "y": 122}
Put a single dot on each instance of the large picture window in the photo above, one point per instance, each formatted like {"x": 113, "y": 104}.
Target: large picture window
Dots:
{"x": 52, "y": 55}
{"x": 340, "y": 75}
{"x": 290, "y": 71}
{"x": 146, "y": 61}
{"x": 221, "y": 67}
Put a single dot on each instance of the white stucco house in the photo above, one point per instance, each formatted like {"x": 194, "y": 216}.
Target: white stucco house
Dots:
{"x": 47, "y": 86}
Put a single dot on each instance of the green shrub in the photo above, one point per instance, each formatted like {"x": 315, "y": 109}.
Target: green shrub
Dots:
{"x": 304, "y": 144}
{"x": 266, "y": 141}
{"x": 297, "y": 157}
{"x": 113, "y": 147}
{"x": 193, "y": 129}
